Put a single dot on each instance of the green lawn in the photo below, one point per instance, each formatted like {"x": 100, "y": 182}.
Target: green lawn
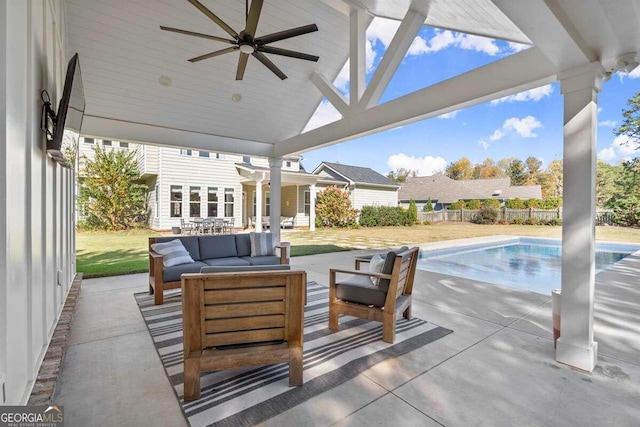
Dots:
{"x": 106, "y": 254}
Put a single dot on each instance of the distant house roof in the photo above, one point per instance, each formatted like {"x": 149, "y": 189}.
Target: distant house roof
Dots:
{"x": 353, "y": 174}
{"x": 443, "y": 189}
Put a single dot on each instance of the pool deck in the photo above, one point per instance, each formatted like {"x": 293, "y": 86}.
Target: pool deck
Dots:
{"x": 497, "y": 368}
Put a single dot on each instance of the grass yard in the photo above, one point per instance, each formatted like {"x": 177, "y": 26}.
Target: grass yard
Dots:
{"x": 106, "y": 254}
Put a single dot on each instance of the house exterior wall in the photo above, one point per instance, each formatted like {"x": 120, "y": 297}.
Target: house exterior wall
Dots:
{"x": 362, "y": 195}
{"x": 37, "y": 230}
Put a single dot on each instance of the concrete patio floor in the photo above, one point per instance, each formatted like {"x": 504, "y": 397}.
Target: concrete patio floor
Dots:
{"x": 497, "y": 368}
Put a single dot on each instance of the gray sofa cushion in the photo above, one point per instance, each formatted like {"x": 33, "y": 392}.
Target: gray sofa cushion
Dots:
{"x": 190, "y": 244}
{"x": 172, "y": 274}
{"x": 232, "y": 261}
{"x": 230, "y": 269}
{"x": 243, "y": 244}
{"x": 360, "y": 289}
{"x": 262, "y": 260}
{"x": 217, "y": 246}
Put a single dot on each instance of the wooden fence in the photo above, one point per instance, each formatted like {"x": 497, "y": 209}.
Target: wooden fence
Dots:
{"x": 603, "y": 217}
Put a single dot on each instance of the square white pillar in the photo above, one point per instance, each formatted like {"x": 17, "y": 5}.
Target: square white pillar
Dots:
{"x": 580, "y": 88}
{"x": 312, "y": 207}
{"x": 258, "y": 224}
{"x": 275, "y": 166}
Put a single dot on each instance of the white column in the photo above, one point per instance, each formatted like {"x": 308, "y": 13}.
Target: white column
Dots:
{"x": 275, "y": 166}
{"x": 580, "y": 88}
{"x": 312, "y": 207}
{"x": 258, "y": 224}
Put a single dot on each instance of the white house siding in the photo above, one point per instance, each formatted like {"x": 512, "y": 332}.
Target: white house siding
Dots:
{"x": 36, "y": 197}
{"x": 363, "y": 195}
{"x": 289, "y": 201}
{"x": 195, "y": 171}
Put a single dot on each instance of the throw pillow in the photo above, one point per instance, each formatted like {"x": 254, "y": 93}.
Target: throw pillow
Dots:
{"x": 173, "y": 253}
{"x": 262, "y": 244}
{"x": 375, "y": 266}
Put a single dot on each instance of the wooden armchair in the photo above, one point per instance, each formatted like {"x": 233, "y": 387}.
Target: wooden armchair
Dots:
{"x": 238, "y": 319}
{"x": 358, "y": 296}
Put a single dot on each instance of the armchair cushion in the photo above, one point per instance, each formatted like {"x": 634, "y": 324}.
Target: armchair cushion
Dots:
{"x": 375, "y": 266}
{"x": 263, "y": 260}
{"x": 171, "y": 274}
{"x": 217, "y": 246}
{"x": 262, "y": 244}
{"x": 359, "y": 289}
{"x": 173, "y": 253}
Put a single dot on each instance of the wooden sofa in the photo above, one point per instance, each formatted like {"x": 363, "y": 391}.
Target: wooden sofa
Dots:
{"x": 217, "y": 250}
{"x": 242, "y": 318}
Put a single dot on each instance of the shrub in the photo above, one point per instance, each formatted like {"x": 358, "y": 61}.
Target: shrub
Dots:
{"x": 494, "y": 203}
{"x": 551, "y": 203}
{"x": 473, "y": 204}
{"x": 554, "y": 222}
{"x": 514, "y": 203}
{"x": 428, "y": 207}
{"x": 412, "y": 213}
{"x": 517, "y": 221}
{"x": 533, "y": 203}
{"x": 531, "y": 221}
{"x": 333, "y": 208}
{"x": 486, "y": 215}
{"x": 426, "y": 222}
{"x": 378, "y": 216}
{"x": 457, "y": 205}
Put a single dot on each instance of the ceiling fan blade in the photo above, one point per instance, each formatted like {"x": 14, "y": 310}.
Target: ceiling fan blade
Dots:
{"x": 252, "y": 18}
{"x": 212, "y": 54}
{"x": 270, "y": 65}
{"x": 289, "y": 53}
{"x": 215, "y": 19}
{"x": 242, "y": 65}
{"x": 191, "y": 33}
{"x": 286, "y": 34}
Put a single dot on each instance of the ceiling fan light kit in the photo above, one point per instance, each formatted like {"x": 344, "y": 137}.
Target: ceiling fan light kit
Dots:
{"x": 246, "y": 42}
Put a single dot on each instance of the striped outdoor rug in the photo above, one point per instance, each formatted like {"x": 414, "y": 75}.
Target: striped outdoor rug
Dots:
{"x": 247, "y": 396}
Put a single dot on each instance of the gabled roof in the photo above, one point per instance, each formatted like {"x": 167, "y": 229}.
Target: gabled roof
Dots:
{"x": 443, "y": 189}
{"x": 354, "y": 174}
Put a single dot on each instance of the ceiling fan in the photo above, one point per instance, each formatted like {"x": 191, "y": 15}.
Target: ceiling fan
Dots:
{"x": 247, "y": 42}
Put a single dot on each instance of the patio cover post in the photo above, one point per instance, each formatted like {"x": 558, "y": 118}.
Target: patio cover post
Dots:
{"x": 275, "y": 166}
{"x": 580, "y": 88}
{"x": 312, "y": 207}
{"x": 258, "y": 222}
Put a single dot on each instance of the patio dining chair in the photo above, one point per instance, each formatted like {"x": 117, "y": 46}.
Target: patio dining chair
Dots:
{"x": 228, "y": 226}
{"x": 380, "y": 299}
{"x": 185, "y": 227}
{"x": 207, "y": 225}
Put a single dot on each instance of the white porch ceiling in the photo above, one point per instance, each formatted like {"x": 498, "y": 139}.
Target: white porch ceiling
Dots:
{"x": 124, "y": 54}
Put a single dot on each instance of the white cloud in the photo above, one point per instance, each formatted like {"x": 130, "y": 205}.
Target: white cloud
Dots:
{"x": 607, "y": 123}
{"x": 445, "y": 38}
{"x": 449, "y": 115}
{"x": 422, "y": 165}
{"x": 607, "y": 154}
{"x": 634, "y": 74}
{"x": 496, "y": 135}
{"x": 622, "y": 147}
{"x": 325, "y": 113}
{"x": 477, "y": 43}
{"x": 523, "y": 127}
{"x": 535, "y": 94}
{"x": 517, "y": 47}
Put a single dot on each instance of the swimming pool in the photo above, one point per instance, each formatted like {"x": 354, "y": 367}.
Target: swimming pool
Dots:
{"x": 525, "y": 263}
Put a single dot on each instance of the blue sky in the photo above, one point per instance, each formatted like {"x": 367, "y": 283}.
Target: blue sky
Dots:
{"x": 522, "y": 125}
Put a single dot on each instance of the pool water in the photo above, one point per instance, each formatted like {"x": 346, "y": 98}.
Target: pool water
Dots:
{"x": 532, "y": 264}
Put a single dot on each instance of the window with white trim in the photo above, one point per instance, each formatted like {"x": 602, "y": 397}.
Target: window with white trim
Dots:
{"x": 228, "y": 202}
{"x": 267, "y": 203}
{"x": 194, "y": 202}
{"x": 212, "y": 202}
{"x": 307, "y": 203}
{"x": 176, "y": 201}
{"x": 157, "y": 201}
{"x": 185, "y": 152}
